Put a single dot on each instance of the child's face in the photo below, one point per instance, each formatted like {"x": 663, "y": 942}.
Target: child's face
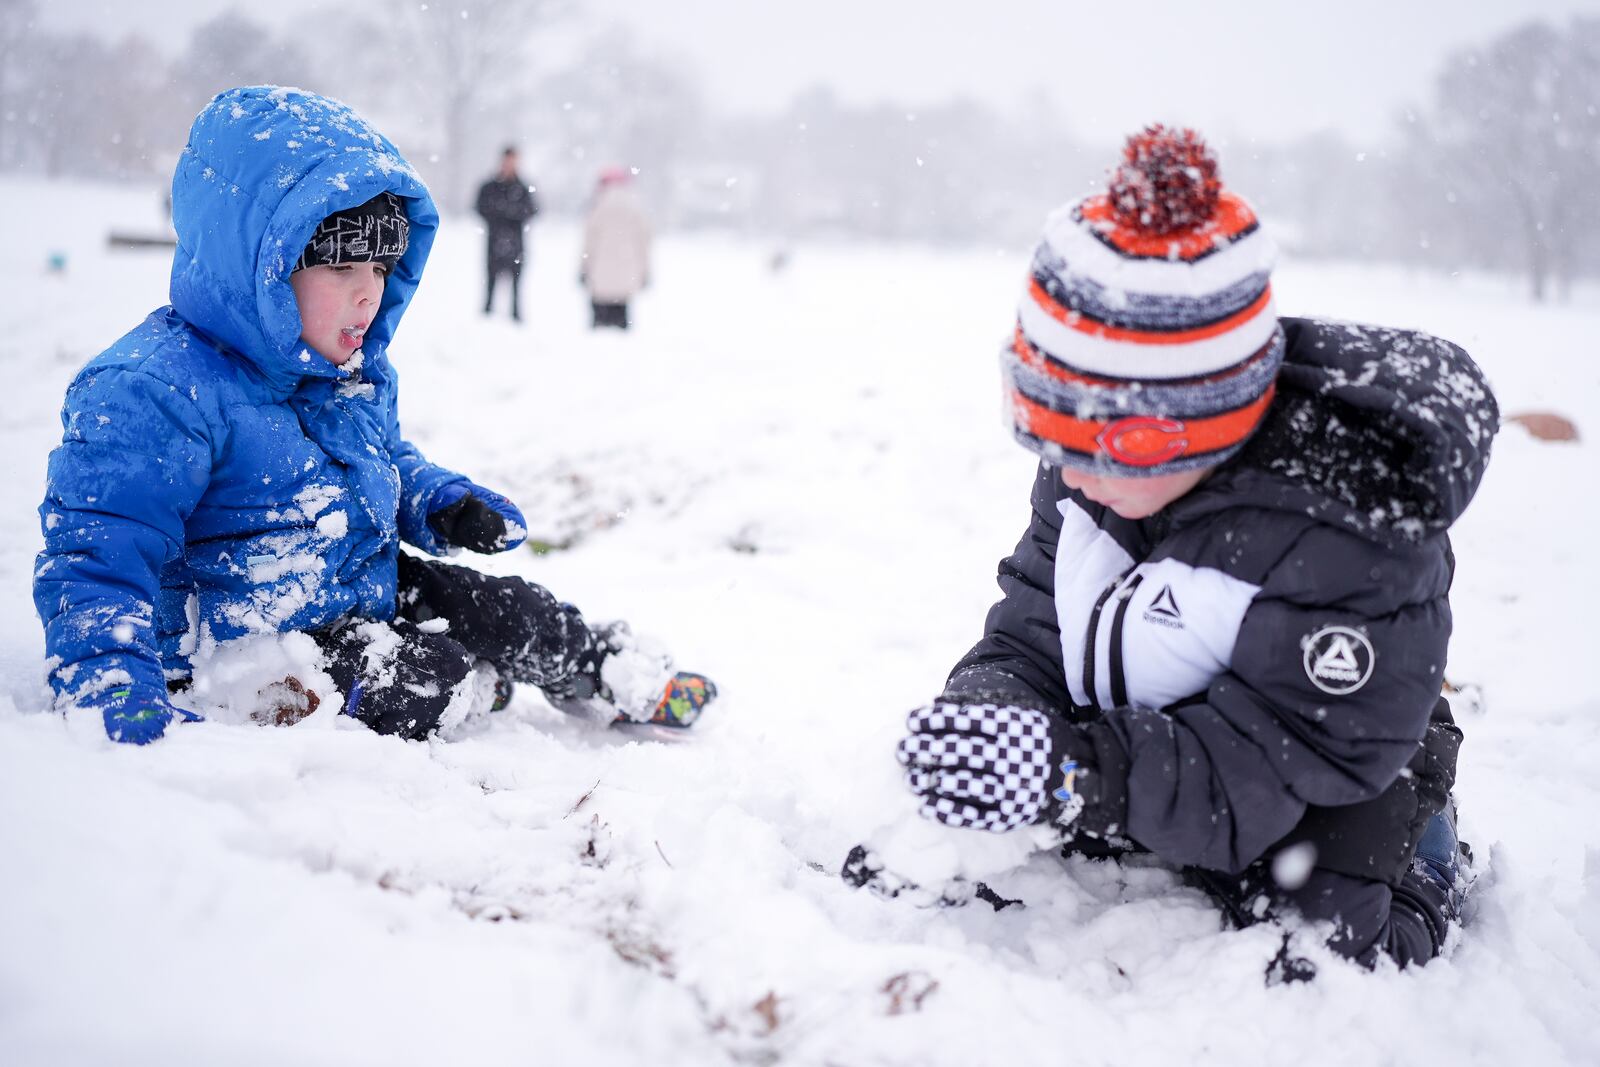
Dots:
{"x": 337, "y": 304}
{"x": 1134, "y": 498}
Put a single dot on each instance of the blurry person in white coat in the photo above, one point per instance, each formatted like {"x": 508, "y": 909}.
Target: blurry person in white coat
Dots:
{"x": 616, "y": 248}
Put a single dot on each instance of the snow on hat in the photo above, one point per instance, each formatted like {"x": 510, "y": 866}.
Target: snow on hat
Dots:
{"x": 1147, "y": 342}
{"x": 374, "y": 232}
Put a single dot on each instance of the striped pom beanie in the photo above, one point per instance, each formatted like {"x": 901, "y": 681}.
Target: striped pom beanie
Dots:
{"x": 1146, "y": 342}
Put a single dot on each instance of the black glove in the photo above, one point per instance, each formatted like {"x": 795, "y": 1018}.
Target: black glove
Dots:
{"x": 469, "y": 523}
{"x": 864, "y": 870}
{"x": 472, "y": 524}
{"x": 994, "y": 766}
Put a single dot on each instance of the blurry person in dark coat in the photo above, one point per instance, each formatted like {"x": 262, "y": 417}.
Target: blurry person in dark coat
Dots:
{"x": 506, "y": 203}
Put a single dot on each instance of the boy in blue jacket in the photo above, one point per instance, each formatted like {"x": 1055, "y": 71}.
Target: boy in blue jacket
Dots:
{"x": 234, "y": 465}
{"x": 1223, "y": 634}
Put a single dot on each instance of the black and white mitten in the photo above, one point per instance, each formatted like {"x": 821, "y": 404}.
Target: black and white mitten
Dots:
{"x": 993, "y": 767}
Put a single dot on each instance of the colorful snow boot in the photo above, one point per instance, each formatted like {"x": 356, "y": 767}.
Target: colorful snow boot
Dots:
{"x": 632, "y": 682}
{"x": 681, "y": 703}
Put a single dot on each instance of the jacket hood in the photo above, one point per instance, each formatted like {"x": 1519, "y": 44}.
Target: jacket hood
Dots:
{"x": 262, "y": 167}
{"x": 1384, "y": 432}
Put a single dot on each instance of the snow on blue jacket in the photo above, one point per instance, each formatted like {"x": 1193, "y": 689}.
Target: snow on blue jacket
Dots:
{"x": 216, "y": 478}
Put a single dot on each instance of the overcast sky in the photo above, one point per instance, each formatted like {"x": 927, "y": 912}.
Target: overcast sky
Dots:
{"x": 1268, "y": 68}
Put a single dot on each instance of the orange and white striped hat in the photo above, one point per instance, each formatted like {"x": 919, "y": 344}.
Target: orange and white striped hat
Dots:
{"x": 1146, "y": 342}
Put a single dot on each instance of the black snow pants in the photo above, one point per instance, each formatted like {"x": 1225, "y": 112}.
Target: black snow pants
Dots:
{"x": 513, "y": 270}
{"x": 608, "y": 314}
{"x": 1364, "y": 876}
{"x": 1406, "y": 922}
{"x": 399, "y": 676}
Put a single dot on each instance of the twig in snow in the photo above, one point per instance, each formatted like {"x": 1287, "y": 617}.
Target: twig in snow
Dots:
{"x": 663, "y": 856}
{"x": 582, "y": 799}
{"x": 767, "y": 1008}
{"x": 596, "y": 851}
{"x": 637, "y": 948}
{"x": 908, "y": 990}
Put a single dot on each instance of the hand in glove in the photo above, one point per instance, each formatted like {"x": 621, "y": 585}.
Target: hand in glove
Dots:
{"x": 993, "y": 767}
{"x": 863, "y": 869}
{"x": 135, "y": 721}
{"x": 469, "y": 516}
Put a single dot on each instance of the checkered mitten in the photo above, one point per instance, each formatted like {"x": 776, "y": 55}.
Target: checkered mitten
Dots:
{"x": 991, "y": 766}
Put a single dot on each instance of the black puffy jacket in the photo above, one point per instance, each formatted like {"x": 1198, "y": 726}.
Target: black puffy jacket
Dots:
{"x": 506, "y": 205}
{"x": 1260, "y": 662}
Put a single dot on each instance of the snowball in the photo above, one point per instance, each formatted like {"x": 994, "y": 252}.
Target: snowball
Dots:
{"x": 637, "y": 675}
{"x": 1292, "y": 866}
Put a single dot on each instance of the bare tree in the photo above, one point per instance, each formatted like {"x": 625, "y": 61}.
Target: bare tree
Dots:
{"x": 60, "y": 126}
{"x": 141, "y": 125}
{"x": 449, "y": 68}
{"x": 955, "y": 172}
{"x": 616, "y": 105}
{"x": 16, "y": 19}
{"x": 77, "y": 104}
{"x": 230, "y": 50}
{"x": 1516, "y": 142}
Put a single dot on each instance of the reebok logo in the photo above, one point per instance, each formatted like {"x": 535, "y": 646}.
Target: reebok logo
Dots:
{"x": 1338, "y": 660}
{"x": 1163, "y": 611}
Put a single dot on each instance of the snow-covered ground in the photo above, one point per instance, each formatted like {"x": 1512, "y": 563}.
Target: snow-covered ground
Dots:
{"x": 799, "y": 480}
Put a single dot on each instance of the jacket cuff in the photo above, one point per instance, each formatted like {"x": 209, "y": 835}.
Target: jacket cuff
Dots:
{"x": 1101, "y": 779}
{"x": 986, "y": 685}
{"x": 415, "y": 507}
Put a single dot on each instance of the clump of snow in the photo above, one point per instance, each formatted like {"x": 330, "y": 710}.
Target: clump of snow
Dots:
{"x": 380, "y": 647}
{"x": 637, "y": 675}
{"x": 314, "y": 498}
{"x": 1292, "y": 866}
{"x": 230, "y": 677}
{"x": 470, "y": 698}
{"x": 931, "y": 855}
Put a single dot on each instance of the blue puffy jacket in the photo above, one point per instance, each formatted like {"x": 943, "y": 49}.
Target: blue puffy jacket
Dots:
{"x": 216, "y": 478}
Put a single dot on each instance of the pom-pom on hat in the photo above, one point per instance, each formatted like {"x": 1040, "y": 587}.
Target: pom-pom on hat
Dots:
{"x": 1146, "y": 342}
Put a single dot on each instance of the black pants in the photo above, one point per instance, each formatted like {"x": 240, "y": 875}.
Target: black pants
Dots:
{"x": 609, "y": 315}
{"x": 514, "y": 269}
{"x": 1406, "y": 922}
{"x": 400, "y": 676}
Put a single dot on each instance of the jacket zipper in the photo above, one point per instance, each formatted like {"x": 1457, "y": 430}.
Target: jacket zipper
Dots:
{"x": 1119, "y": 678}
{"x": 1089, "y": 639}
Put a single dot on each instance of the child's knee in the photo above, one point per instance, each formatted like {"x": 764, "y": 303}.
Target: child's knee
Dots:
{"x": 1358, "y": 908}
{"x": 510, "y": 622}
{"x": 397, "y": 678}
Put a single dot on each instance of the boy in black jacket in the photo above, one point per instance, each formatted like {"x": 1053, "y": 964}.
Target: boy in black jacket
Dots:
{"x": 1223, "y": 635}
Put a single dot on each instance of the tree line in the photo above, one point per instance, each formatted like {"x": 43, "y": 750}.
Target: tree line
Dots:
{"x": 1499, "y": 170}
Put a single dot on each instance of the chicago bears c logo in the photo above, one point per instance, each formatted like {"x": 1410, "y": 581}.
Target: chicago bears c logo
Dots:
{"x": 1143, "y": 440}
